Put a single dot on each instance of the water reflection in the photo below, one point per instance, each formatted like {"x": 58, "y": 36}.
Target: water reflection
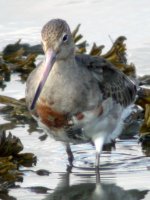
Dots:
{"x": 92, "y": 191}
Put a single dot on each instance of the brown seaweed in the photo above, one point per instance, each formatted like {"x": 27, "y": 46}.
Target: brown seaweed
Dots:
{"x": 11, "y": 158}
{"x": 9, "y": 144}
{"x": 28, "y": 49}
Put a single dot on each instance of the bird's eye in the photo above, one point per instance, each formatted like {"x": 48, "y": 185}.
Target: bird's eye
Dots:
{"x": 65, "y": 38}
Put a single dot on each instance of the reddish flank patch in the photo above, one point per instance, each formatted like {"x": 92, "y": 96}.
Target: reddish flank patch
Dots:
{"x": 79, "y": 116}
{"x": 49, "y": 117}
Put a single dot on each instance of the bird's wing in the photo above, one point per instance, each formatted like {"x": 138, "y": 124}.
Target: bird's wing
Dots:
{"x": 112, "y": 82}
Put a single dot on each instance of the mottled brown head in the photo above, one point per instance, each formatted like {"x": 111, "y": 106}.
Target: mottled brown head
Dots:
{"x": 56, "y": 35}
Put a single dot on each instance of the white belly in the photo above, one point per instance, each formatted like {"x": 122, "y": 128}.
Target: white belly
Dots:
{"x": 106, "y": 126}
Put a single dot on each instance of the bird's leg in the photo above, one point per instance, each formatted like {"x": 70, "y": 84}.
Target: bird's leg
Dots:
{"x": 97, "y": 175}
{"x": 98, "y": 145}
{"x": 70, "y": 154}
{"x": 97, "y": 161}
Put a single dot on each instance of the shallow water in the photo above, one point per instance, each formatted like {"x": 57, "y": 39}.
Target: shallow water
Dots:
{"x": 125, "y": 171}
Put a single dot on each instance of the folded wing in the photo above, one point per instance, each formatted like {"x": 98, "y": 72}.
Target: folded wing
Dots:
{"x": 112, "y": 82}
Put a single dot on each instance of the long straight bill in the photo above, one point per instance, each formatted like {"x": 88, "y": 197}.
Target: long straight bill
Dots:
{"x": 49, "y": 62}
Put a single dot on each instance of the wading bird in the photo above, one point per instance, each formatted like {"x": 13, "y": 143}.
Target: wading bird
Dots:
{"x": 77, "y": 98}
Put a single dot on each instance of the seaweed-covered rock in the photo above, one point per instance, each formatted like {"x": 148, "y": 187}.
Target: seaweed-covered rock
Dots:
{"x": 11, "y": 158}
{"x": 9, "y": 144}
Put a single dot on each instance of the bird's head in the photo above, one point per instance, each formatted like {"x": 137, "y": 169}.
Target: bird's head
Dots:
{"x": 58, "y": 45}
{"x": 57, "y": 38}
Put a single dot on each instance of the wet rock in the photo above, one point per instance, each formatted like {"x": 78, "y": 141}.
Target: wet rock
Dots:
{"x": 39, "y": 189}
{"x": 43, "y": 172}
{"x": 43, "y": 137}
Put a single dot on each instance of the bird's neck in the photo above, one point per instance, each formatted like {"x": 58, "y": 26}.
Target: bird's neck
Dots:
{"x": 64, "y": 65}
